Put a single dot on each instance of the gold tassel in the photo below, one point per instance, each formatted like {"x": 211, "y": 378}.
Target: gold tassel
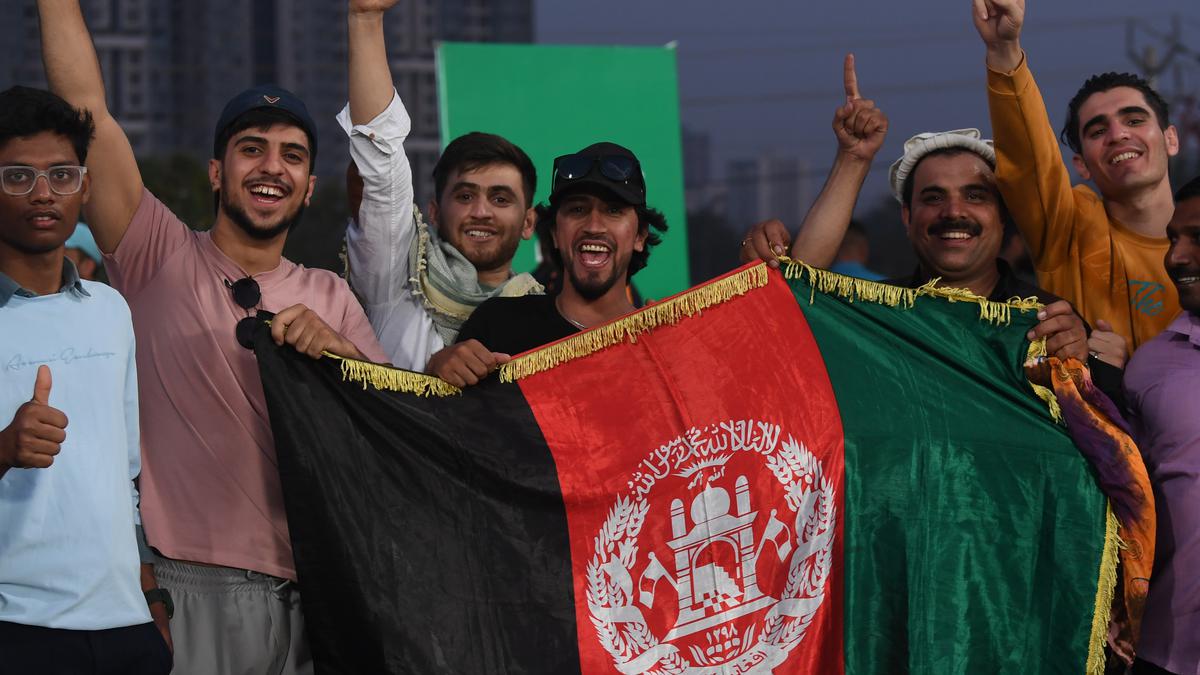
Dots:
{"x": 1037, "y": 350}
{"x": 387, "y": 378}
{"x": 628, "y": 328}
{"x": 852, "y": 288}
{"x": 1105, "y": 589}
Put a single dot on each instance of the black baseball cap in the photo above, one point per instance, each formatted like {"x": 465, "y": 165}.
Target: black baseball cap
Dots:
{"x": 267, "y": 96}
{"x": 609, "y": 166}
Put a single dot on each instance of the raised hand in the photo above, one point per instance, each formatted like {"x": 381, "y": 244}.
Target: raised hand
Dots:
{"x": 999, "y": 24}
{"x": 37, "y": 431}
{"x": 860, "y": 127}
{"x": 370, "y": 6}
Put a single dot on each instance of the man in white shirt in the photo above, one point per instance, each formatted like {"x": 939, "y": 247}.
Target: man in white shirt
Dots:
{"x": 418, "y": 282}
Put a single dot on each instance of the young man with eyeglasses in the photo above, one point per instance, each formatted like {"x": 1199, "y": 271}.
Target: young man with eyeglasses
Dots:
{"x": 420, "y": 282}
{"x": 603, "y": 232}
{"x": 70, "y": 595}
{"x": 211, "y": 495}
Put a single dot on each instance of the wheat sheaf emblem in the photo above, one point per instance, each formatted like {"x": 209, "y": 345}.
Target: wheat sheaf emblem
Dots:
{"x": 620, "y": 583}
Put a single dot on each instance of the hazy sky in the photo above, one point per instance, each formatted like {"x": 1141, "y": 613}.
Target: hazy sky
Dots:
{"x": 764, "y": 76}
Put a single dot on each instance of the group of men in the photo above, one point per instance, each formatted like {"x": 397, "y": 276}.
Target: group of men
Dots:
{"x": 184, "y": 413}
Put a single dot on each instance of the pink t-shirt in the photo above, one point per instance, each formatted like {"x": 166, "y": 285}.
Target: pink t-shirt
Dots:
{"x": 210, "y": 483}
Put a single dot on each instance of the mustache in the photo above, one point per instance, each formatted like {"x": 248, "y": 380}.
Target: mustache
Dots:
{"x": 1177, "y": 272}
{"x": 957, "y": 225}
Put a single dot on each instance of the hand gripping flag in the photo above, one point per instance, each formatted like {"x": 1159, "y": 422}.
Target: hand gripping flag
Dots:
{"x": 811, "y": 474}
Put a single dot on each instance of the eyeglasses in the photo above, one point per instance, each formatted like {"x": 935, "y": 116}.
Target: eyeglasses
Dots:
{"x": 19, "y": 181}
{"x": 617, "y": 168}
{"x": 247, "y": 296}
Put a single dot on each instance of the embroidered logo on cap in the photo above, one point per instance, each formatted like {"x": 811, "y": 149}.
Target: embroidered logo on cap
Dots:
{"x": 271, "y": 99}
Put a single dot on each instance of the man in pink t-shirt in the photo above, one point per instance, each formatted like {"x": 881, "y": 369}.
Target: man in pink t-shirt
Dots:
{"x": 211, "y": 499}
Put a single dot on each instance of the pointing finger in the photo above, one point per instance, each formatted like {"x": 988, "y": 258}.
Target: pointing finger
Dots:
{"x": 850, "y": 78}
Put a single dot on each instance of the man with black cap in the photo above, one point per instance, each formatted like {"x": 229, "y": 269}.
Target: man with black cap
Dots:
{"x": 602, "y": 232}
{"x": 212, "y": 504}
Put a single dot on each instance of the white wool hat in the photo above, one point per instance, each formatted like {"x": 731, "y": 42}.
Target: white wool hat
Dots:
{"x": 922, "y": 144}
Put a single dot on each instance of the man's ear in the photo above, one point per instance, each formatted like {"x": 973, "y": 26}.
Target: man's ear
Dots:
{"x": 432, "y": 213}
{"x": 905, "y": 215}
{"x": 214, "y": 174}
{"x": 85, "y": 192}
{"x": 639, "y": 244}
{"x": 312, "y": 185}
{"x": 1080, "y": 167}
{"x": 1171, "y": 135}
{"x": 529, "y": 224}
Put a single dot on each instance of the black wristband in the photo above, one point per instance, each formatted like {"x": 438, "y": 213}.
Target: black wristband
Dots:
{"x": 161, "y": 595}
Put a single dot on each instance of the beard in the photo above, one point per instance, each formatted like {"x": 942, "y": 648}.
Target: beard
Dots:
{"x": 242, "y": 219}
{"x": 490, "y": 258}
{"x": 594, "y": 287}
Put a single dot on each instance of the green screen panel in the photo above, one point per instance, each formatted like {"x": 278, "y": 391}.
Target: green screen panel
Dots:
{"x": 552, "y": 100}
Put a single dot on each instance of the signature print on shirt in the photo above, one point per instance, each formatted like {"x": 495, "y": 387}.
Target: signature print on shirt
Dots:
{"x": 66, "y": 356}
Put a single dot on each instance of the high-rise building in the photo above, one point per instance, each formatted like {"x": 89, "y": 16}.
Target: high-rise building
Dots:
{"x": 170, "y": 65}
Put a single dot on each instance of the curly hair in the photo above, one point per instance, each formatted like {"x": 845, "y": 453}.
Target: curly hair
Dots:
{"x": 650, "y": 220}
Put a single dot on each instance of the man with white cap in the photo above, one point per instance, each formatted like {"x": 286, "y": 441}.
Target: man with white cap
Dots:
{"x": 952, "y": 210}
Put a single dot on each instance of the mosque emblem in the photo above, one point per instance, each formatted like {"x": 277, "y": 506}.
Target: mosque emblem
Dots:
{"x": 673, "y": 584}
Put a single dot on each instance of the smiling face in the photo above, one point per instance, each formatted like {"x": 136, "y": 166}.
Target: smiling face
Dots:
{"x": 264, "y": 179}
{"x": 42, "y": 220}
{"x": 955, "y": 222}
{"x": 596, "y": 239}
{"x": 483, "y": 213}
{"x": 1183, "y": 258}
{"x": 1122, "y": 146}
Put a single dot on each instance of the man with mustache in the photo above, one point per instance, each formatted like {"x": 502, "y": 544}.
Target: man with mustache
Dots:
{"x": 1103, "y": 252}
{"x": 1161, "y": 389}
{"x": 419, "y": 283}
{"x": 954, "y": 218}
{"x": 212, "y": 504}
{"x": 603, "y": 231}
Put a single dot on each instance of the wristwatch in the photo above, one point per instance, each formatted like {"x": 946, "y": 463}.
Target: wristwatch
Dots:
{"x": 161, "y": 595}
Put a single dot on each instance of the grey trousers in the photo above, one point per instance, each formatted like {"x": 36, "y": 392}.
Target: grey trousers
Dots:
{"x": 234, "y": 622}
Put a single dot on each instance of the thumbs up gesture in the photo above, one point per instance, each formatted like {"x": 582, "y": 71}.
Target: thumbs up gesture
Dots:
{"x": 860, "y": 127}
{"x": 37, "y": 431}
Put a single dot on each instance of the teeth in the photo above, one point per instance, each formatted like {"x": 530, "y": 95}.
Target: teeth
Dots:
{"x": 1122, "y": 157}
{"x": 267, "y": 191}
{"x": 478, "y": 234}
{"x": 955, "y": 235}
{"x": 593, "y": 248}
{"x": 1187, "y": 280}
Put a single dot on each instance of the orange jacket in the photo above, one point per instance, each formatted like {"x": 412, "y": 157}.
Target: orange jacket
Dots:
{"x": 1081, "y": 254}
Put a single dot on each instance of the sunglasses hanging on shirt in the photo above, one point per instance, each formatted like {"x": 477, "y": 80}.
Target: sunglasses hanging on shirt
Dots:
{"x": 247, "y": 295}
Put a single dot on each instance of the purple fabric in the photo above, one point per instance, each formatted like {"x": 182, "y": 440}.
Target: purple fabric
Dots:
{"x": 1162, "y": 384}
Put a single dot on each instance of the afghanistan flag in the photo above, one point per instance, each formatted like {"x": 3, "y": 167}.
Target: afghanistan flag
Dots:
{"x": 805, "y": 475}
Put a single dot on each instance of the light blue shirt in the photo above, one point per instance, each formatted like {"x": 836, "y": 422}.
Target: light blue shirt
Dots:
{"x": 68, "y": 555}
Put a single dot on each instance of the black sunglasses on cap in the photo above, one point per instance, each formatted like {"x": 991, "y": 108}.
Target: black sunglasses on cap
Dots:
{"x": 247, "y": 295}
{"x": 620, "y": 173}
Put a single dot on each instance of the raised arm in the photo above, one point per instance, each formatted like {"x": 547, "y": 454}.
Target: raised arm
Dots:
{"x": 1030, "y": 172}
{"x": 370, "y": 76}
{"x": 74, "y": 74}
{"x": 860, "y": 128}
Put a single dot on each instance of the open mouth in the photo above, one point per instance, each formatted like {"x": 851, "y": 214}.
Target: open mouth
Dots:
{"x": 594, "y": 254}
{"x": 1185, "y": 279}
{"x": 954, "y": 232}
{"x": 1124, "y": 157}
{"x": 265, "y": 193}
{"x": 479, "y": 233}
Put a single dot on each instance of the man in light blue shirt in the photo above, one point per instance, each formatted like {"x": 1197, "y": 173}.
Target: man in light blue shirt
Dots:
{"x": 70, "y": 596}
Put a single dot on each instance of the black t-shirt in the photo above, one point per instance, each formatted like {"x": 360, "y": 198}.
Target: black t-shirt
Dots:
{"x": 515, "y": 325}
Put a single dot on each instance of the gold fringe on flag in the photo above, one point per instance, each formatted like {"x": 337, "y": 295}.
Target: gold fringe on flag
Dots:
{"x": 630, "y": 327}
{"x": 387, "y": 378}
{"x": 1037, "y": 350}
{"x": 1105, "y": 589}
{"x": 852, "y": 288}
